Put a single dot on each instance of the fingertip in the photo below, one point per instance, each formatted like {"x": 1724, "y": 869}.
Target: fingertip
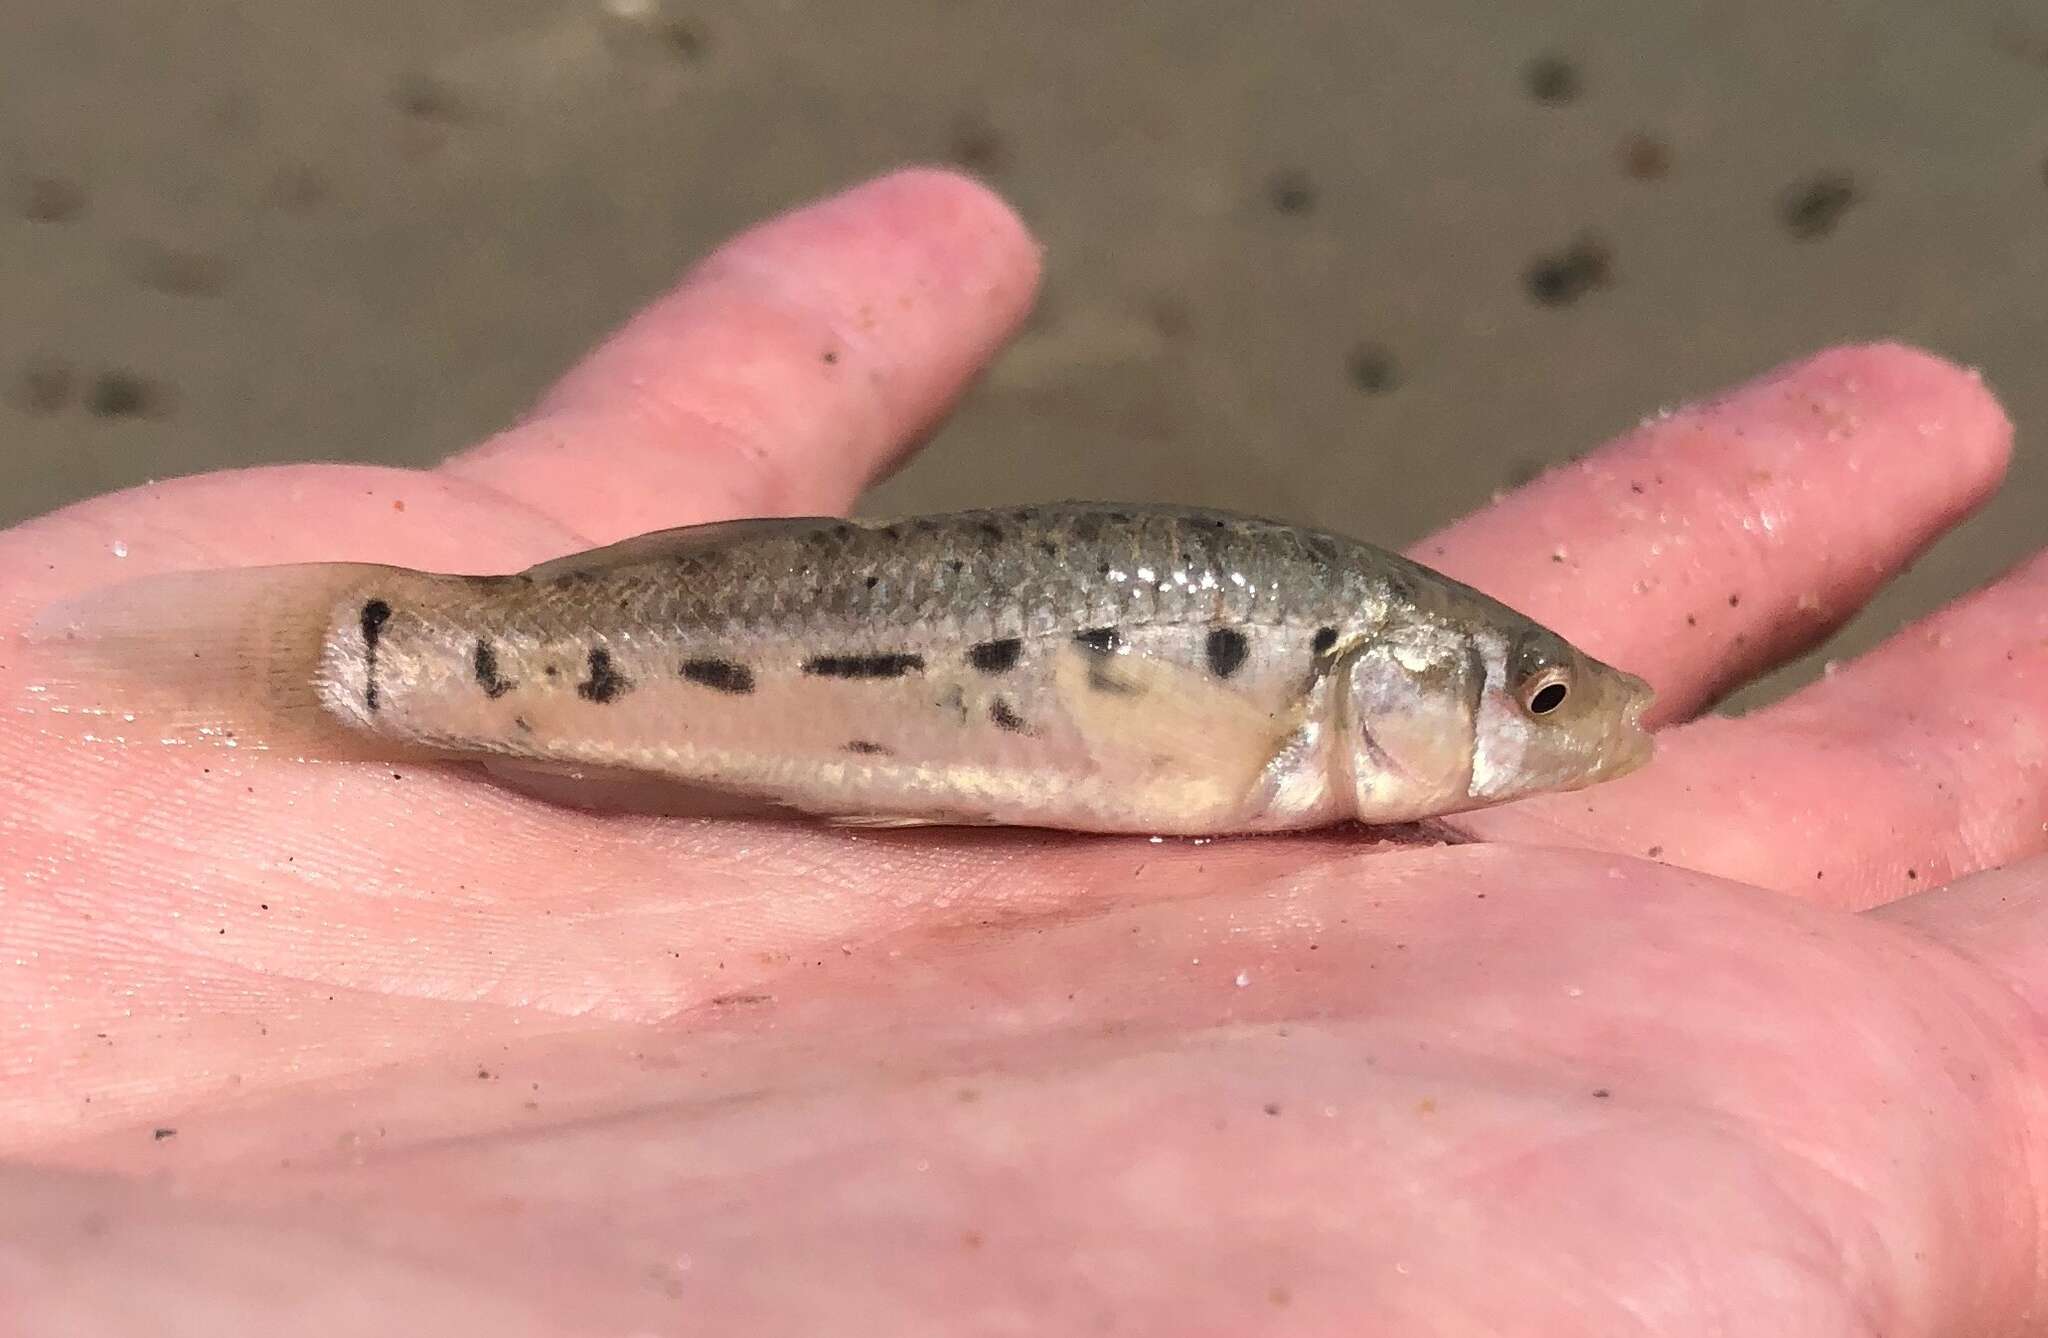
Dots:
{"x": 1948, "y": 404}
{"x": 969, "y": 209}
{"x": 927, "y": 266}
{"x": 1718, "y": 539}
{"x": 788, "y": 369}
{"x": 935, "y": 224}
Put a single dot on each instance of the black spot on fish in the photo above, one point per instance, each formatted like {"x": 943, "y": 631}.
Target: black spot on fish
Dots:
{"x": 891, "y": 665}
{"x": 867, "y": 749}
{"x": 873, "y": 581}
{"x": 956, "y": 565}
{"x": 995, "y": 657}
{"x": 605, "y": 684}
{"x": 375, "y": 614}
{"x": 1227, "y": 650}
{"x": 1326, "y": 639}
{"x": 525, "y": 725}
{"x": 891, "y": 532}
{"x": 720, "y": 675}
{"x": 486, "y": 666}
{"x": 1006, "y": 718}
{"x": 1100, "y": 640}
{"x": 1048, "y": 547}
{"x": 553, "y": 671}
{"x": 1120, "y": 517}
{"x": 991, "y": 531}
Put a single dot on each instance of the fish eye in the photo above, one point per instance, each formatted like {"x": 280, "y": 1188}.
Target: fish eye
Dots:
{"x": 1545, "y": 692}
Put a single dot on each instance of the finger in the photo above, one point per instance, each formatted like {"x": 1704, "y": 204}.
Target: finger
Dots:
{"x": 1715, "y": 542}
{"x": 1924, "y": 760}
{"x": 786, "y": 372}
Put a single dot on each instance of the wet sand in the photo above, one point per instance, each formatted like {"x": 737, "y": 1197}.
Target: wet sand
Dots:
{"x": 1355, "y": 264}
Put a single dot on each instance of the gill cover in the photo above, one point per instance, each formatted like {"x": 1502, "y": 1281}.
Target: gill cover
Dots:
{"x": 1407, "y": 718}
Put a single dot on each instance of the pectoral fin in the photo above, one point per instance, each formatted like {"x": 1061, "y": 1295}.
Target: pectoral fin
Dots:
{"x": 1165, "y": 724}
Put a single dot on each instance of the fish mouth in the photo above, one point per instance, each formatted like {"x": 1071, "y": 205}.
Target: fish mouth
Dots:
{"x": 1632, "y": 744}
{"x": 1641, "y": 697}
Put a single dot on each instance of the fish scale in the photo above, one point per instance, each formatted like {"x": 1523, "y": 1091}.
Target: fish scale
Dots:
{"x": 1109, "y": 667}
{"x": 816, "y": 579}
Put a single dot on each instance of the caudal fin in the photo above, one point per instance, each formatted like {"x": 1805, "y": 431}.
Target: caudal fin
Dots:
{"x": 227, "y": 658}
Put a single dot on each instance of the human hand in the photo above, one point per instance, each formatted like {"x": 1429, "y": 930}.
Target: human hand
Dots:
{"x": 438, "y": 1056}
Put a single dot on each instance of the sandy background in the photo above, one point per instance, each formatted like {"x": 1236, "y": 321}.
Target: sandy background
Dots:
{"x": 1359, "y": 262}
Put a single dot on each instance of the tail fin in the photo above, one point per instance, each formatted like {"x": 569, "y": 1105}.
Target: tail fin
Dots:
{"x": 229, "y": 658}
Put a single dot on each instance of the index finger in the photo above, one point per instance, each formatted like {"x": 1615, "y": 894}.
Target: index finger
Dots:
{"x": 785, "y": 372}
{"x": 1725, "y": 538}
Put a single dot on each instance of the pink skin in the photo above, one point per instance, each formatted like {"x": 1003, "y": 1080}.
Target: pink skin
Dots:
{"x": 442, "y": 1058}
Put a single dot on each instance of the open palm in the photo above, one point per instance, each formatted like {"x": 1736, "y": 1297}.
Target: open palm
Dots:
{"x": 1748, "y": 1042}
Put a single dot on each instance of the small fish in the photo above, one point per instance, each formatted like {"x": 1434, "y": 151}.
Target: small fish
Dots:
{"x": 1090, "y": 666}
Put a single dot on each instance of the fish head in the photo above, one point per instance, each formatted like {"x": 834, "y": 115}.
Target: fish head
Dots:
{"x": 1553, "y": 718}
{"x": 1444, "y": 716}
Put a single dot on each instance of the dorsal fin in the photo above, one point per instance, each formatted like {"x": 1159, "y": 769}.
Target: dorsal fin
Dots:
{"x": 683, "y": 539}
